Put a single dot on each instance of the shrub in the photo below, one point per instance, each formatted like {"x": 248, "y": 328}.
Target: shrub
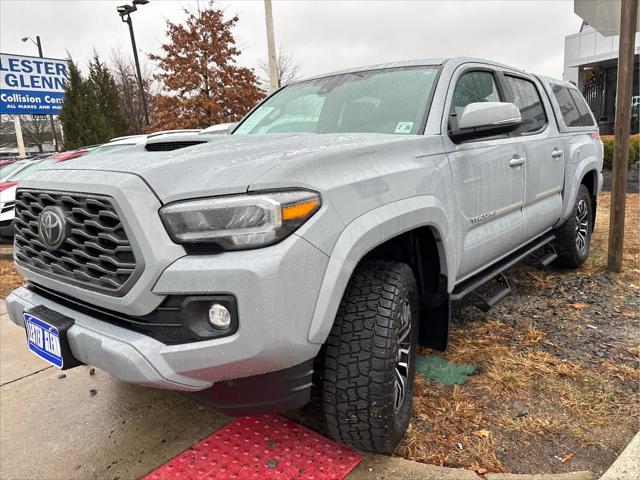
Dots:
{"x": 634, "y": 149}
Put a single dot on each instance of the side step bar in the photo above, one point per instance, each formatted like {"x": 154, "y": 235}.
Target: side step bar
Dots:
{"x": 495, "y": 271}
{"x": 485, "y": 303}
{"x": 549, "y": 256}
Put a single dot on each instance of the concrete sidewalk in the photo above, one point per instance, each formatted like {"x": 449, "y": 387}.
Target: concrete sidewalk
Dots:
{"x": 83, "y": 424}
{"x": 627, "y": 466}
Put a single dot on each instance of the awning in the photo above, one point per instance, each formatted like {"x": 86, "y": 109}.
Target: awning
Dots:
{"x": 603, "y": 15}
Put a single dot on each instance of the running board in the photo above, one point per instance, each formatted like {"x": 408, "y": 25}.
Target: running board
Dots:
{"x": 485, "y": 302}
{"x": 549, "y": 256}
{"x": 495, "y": 270}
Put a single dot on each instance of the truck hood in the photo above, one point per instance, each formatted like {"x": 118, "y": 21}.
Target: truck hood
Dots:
{"x": 226, "y": 163}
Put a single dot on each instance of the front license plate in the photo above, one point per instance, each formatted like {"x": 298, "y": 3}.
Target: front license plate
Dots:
{"x": 47, "y": 336}
{"x": 43, "y": 340}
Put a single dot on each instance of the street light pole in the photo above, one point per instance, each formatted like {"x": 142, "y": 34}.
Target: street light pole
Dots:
{"x": 125, "y": 12}
{"x": 271, "y": 47}
{"x": 53, "y": 125}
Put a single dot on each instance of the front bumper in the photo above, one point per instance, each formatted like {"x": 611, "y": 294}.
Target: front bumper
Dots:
{"x": 275, "y": 288}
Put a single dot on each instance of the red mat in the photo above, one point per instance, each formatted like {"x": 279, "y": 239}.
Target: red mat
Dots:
{"x": 266, "y": 447}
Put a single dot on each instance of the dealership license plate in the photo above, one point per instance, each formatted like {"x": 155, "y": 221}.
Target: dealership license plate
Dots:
{"x": 43, "y": 339}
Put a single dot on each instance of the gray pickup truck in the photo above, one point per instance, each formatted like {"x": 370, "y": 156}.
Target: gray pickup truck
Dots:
{"x": 320, "y": 242}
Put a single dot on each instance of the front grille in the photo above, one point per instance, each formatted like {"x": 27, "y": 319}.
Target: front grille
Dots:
{"x": 167, "y": 146}
{"x": 96, "y": 253}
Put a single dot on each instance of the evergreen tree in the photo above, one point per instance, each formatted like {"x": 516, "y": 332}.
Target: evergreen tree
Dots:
{"x": 202, "y": 83}
{"x": 71, "y": 115}
{"x": 105, "y": 92}
{"x": 83, "y": 120}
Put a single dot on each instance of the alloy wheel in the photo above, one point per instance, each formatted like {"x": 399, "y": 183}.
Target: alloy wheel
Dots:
{"x": 582, "y": 226}
{"x": 404, "y": 355}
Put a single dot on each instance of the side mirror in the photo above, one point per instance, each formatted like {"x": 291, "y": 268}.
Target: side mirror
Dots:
{"x": 485, "y": 119}
{"x": 231, "y": 127}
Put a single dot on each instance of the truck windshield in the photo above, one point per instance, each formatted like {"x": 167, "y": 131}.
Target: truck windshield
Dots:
{"x": 393, "y": 100}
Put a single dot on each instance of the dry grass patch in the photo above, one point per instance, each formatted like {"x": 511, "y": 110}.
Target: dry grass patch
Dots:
{"x": 9, "y": 277}
{"x": 448, "y": 428}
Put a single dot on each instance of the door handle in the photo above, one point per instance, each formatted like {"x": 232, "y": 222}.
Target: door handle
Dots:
{"x": 516, "y": 161}
{"x": 556, "y": 153}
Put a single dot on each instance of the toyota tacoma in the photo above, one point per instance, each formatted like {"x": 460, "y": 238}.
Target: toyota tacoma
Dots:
{"x": 320, "y": 243}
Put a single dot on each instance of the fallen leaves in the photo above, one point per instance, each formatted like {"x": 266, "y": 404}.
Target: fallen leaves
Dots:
{"x": 482, "y": 433}
{"x": 578, "y": 306}
{"x": 566, "y": 458}
{"x": 9, "y": 277}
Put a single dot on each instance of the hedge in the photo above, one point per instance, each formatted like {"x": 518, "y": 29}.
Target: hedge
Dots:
{"x": 634, "y": 149}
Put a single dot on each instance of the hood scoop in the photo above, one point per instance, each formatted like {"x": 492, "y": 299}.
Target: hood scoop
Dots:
{"x": 171, "y": 145}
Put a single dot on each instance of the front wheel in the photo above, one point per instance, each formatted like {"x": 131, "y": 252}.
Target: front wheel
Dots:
{"x": 573, "y": 237}
{"x": 369, "y": 358}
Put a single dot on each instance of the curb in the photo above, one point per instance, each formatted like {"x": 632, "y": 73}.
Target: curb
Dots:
{"x": 6, "y": 251}
{"x": 540, "y": 476}
{"x": 626, "y": 466}
{"x": 382, "y": 467}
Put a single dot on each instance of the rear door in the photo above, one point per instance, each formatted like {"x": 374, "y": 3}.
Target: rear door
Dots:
{"x": 543, "y": 150}
{"x": 488, "y": 176}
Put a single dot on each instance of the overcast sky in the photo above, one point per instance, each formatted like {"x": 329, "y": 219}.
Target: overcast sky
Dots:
{"x": 322, "y": 35}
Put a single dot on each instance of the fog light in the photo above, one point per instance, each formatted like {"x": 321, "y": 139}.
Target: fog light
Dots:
{"x": 219, "y": 316}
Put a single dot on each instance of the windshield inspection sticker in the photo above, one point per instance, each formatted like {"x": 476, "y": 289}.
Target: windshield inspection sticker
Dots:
{"x": 404, "y": 127}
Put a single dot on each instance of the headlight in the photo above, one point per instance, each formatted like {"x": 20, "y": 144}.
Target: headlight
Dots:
{"x": 240, "y": 221}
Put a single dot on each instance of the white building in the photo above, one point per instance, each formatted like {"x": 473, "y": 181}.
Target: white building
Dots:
{"x": 591, "y": 62}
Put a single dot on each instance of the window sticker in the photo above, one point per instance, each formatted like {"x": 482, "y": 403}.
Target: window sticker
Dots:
{"x": 404, "y": 127}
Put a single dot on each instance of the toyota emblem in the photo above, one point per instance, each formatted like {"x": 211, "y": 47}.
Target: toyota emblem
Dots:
{"x": 52, "y": 226}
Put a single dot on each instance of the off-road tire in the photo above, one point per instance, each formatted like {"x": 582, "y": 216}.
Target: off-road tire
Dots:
{"x": 579, "y": 223}
{"x": 362, "y": 355}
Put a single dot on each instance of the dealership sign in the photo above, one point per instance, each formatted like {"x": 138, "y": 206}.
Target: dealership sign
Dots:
{"x": 31, "y": 85}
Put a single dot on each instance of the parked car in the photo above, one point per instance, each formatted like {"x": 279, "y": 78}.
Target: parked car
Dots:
{"x": 70, "y": 154}
{"x": 8, "y": 194}
{"x": 9, "y": 167}
{"x": 328, "y": 234}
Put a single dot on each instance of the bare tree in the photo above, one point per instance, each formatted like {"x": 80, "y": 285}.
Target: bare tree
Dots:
{"x": 36, "y": 132}
{"x": 124, "y": 73}
{"x": 288, "y": 69}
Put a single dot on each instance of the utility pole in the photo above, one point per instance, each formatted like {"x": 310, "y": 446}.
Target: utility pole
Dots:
{"x": 19, "y": 140}
{"x": 271, "y": 47}
{"x": 125, "y": 12}
{"x": 628, "y": 18}
{"x": 53, "y": 125}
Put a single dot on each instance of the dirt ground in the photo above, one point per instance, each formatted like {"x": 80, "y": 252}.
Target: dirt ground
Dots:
{"x": 557, "y": 387}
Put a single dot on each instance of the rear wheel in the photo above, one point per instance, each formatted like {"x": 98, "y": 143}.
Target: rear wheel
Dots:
{"x": 573, "y": 237}
{"x": 369, "y": 358}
